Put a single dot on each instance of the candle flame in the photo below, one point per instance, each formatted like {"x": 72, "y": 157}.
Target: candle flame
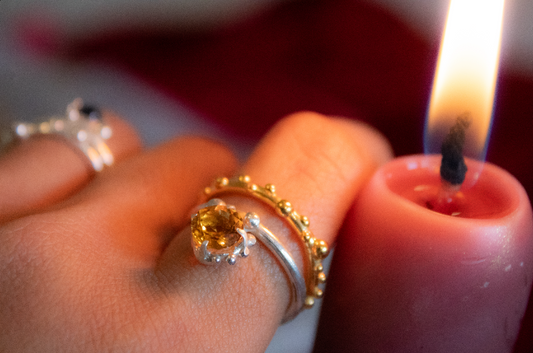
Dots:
{"x": 465, "y": 81}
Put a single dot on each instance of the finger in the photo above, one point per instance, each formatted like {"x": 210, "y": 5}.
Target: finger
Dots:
{"x": 332, "y": 159}
{"x": 316, "y": 163}
{"x": 74, "y": 276}
{"x": 44, "y": 170}
{"x": 146, "y": 199}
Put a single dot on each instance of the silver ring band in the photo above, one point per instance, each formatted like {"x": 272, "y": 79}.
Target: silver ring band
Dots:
{"x": 298, "y": 289}
{"x": 82, "y": 126}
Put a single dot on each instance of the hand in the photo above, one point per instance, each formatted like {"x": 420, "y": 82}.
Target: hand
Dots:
{"x": 105, "y": 263}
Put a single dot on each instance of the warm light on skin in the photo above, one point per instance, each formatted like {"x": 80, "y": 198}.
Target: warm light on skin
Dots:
{"x": 465, "y": 80}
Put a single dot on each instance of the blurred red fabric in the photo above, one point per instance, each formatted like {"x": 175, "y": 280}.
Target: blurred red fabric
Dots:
{"x": 334, "y": 57}
{"x": 341, "y": 57}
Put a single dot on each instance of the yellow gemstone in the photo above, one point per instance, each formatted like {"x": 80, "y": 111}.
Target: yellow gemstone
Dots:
{"x": 217, "y": 225}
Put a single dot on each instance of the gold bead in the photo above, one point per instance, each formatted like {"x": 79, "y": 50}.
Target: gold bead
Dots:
{"x": 207, "y": 190}
{"x": 244, "y": 178}
{"x": 309, "y": 302}
{"x": 322, "y": 277}
{"x": 271, "y": 188}
{"x": 319, "y": 268}
{"x": 284, "y": 208}
{"x": 253, "y": 187}
{"x": 322, "y": 250}
{"x": 220, "y": 182}
{"x": 319, "y": 293}
{"x": 304, "y": 220}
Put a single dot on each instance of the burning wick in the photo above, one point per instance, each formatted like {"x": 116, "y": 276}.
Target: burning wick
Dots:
{"x": 452, "y": 168}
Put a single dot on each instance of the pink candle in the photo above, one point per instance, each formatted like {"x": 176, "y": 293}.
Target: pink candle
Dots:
{"x": 422, "y": 281}
{"x": 415, "y": 272}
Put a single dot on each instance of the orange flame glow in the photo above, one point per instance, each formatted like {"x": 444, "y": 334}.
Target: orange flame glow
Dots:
{"x": 467, "y": 68}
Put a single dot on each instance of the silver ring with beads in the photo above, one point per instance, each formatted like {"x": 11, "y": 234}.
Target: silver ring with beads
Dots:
{"x": 221, "y": 234}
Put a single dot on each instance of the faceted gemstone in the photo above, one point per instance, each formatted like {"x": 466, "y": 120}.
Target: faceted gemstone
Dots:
{"x": 217, "y": 225}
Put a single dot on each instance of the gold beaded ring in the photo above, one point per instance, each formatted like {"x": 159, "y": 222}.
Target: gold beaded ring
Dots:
{"x": 316, "y": 249}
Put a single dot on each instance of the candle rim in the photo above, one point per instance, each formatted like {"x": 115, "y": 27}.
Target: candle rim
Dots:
{"x": 511, "y": 207}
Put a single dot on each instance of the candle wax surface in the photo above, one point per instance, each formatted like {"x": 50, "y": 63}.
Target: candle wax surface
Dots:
{"x": 408, "y": 279}
{"x": 480, "y": 197}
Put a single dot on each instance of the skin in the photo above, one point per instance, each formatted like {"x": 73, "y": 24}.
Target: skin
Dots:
{"x": 104, "y": 263}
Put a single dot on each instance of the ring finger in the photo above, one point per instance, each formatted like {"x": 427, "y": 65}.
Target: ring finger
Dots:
{"x": 318, "y": 165}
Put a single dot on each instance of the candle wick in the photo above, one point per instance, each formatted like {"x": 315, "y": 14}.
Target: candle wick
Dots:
{"x": 453, "y": 168}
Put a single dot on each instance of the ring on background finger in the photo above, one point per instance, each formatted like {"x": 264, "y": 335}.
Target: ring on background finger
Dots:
{"x": 82, "y": 126}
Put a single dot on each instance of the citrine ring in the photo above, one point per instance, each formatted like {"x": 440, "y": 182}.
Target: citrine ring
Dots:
{"x": 82, "y": 126}
{"x": 221, "y": 234}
